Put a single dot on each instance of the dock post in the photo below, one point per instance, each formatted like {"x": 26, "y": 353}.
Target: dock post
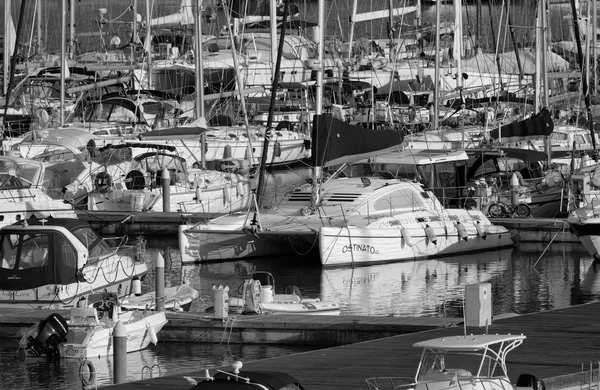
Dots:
{"x": 160, "y": 282}
{"x": 120, "y": 353}
{"x": 514, "y": 189}
{"x": 165, "y": 182}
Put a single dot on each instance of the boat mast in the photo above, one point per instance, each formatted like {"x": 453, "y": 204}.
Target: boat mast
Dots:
{"x": 7, "y": 49}
{"x": 63, "y": 57}
{"x": 316, "y": 174}
{"x": 72, "y": 38}
{"x": 268, "y": 130}
{"x": 436, "y": 89}
{"x": 352, "y": 24}
{"x": 148, "y": 43}
{"x": 457, "y": 47}
{"x": 198, "y": 60}
{"x": 13, "y": 50}
{"x": 584, "y": 72}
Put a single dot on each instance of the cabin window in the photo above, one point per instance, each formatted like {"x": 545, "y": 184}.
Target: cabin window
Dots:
{"x": 96, "y": 246}
{"x": 559, "y": 136}
{"x": 69, "y": 254}
{"x": 580, "y": 139}
{"x": 402, "y": 199}
{"x": 8, "y": 253}
{"x": 34, "y": 251}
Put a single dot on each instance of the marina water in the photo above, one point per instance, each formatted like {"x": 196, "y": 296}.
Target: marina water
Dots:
{"x": 529, "y": 278}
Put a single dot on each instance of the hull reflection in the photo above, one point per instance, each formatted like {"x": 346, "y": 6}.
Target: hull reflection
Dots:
{"x": 412, "y": 288}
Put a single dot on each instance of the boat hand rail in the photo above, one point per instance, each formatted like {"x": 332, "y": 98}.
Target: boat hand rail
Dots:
{"x": 390, "y": 383}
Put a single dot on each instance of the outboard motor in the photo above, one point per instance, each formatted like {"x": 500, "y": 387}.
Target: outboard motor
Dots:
{"x": 52, "y": 331}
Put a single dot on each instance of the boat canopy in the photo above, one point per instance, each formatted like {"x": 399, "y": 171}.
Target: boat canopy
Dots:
{"x": 42, "y": 252}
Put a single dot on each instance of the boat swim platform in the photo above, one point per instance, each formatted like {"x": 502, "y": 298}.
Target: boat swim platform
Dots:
{"x": 561, "y": 347}
{"x": 544, "y": 230}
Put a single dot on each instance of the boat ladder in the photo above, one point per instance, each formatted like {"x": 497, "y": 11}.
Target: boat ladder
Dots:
{"x": 150, "y": 370}
{"x": 590, "y": 370}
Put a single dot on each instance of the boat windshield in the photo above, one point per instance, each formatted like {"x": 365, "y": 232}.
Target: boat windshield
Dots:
{"x": 15, "y": 175}
{"x": 436, "y": 363}
{"x": 96, "y": 246}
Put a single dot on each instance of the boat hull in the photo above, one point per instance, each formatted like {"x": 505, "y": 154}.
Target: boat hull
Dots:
{"x": 589, "y": 235}
{"x": 97, "y": 343}
{"x": 202, "y": 246}
{"x": 357, "y": 246}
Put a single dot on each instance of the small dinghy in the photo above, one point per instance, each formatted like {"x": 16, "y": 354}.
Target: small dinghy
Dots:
{"x": 258, "y": 296}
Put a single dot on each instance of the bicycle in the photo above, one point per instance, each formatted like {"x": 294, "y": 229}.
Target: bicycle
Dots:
{"x": 501, "y": 209}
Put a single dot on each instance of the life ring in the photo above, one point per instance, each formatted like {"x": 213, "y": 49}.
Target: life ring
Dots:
{"x": 91, "y": 378}
{"x": 103, "y": 182}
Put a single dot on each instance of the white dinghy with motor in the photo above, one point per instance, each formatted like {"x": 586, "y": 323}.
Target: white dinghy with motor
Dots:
{"x": 257, "y": 295}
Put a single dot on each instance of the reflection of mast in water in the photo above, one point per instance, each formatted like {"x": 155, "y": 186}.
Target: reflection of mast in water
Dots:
{"x": 411, "y": 288}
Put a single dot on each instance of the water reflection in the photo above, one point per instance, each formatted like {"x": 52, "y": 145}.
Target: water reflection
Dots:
{"x": 527, "y": 279}
{"x": 412, "y": 288}
{"x": 19, "y": 372}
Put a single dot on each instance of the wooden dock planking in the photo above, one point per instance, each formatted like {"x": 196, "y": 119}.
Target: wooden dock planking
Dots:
{"x": 557, "y": 344}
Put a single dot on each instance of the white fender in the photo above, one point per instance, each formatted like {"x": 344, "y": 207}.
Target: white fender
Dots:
{"x": 481, "y": 230}
{"x": 407, "y": 236}
{"x": 198, "y": 194}
{"x": 240, "y": 189}
{"x": 137, "y": 286}
{"x": 431, "y": 234}
{"x": 152, "y": 334}
{"x": 462, "y": 231}
{"x": 227, "y": 194}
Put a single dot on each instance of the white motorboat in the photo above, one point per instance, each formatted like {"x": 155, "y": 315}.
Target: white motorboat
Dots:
{"x": 190, "y": 190}
{"x": 89, "y": 331}
{"x": 455, "y": 362}
{"x": 23, "y": 192}
{"x": 53, "y": 263}
{"x": 258, "y": 296}
{"x": 177, "y": 298}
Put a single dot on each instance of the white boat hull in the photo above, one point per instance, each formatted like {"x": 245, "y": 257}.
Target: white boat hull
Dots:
{"x": 357, "y": 246}
{"x": 86, "y": 343}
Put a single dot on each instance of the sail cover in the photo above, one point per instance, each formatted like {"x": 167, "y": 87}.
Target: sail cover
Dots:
{"x": 536, "y": 126}
{"x": 336, "y": 142}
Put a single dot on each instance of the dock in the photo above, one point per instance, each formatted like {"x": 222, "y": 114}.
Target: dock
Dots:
{"x": 560, "y": 343}
{"x": 544, "y": 230}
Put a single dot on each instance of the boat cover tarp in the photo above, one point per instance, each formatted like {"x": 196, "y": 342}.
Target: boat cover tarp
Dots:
{"x": 336, "y": 142}
{"x": 536, "y": 126}
{"x": 174, "y": 132}
{"x": 486, "y": 63}
{"x": 58, "y": 268}
{"x": 257, "y": 380}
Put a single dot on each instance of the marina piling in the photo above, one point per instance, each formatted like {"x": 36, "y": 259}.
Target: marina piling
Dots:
{"x": 165, "y": 182}
{"x": 120, "y": 353}
{"x": 160, "y": 281}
